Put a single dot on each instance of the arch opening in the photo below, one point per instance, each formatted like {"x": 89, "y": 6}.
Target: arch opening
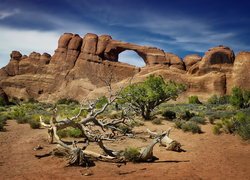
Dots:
{"x": 132, "y": 58}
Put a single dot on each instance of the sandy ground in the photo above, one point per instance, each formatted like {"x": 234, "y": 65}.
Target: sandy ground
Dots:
{"x": 207, "y": 157}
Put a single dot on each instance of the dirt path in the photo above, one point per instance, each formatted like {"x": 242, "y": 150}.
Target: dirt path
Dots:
{"x": 207, "y": 157}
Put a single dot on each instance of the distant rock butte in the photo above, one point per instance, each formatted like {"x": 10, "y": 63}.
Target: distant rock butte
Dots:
{"x": 78, "y": 65}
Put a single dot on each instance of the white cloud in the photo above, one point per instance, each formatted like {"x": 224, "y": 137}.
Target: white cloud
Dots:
{"x": 5, "y": 14}
{"x": 25, "y": 41}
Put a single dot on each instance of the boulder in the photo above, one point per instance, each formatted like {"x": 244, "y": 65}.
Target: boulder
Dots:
{"x": 64, "y": 40}
{"x": 219, "y": 58}
{"x": 241, "y": 73}
{"x": 191, "y": 60}
{"x": 175, "y": 61}
{"x": 89, "y": 43}
{"x": 16, "y": 55}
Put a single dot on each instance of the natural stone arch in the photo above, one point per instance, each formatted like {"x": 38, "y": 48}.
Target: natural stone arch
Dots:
{"x": 150, "y": 55}
{"x": 131, "y": 57}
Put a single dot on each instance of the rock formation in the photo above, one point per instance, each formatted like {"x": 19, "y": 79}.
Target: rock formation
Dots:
{"x": 75, "y": 69}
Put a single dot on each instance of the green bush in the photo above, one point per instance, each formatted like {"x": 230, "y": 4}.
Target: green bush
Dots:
{"x": 125, "y": 129}
{"x": 191, "y": 127}
{"x": 69, "y": 132}
{"x": 3, "y": 119}
{"x": 75, "y": 133}
{"x": 186, "y": 115}
{"x": 63, "y": 133}
{"x": 178, "y": 123}
{"x": 67, "y": 101}
{"x": 34, "y": 124}
{"x": 198, "y": 119}
{"x": 240, "y": 98}
{"x": 243, "y": 126}
{"x": 219, "y": 100}
{"x": 194, "y": 100}
{"x": 22, "y": 120}
{"x": 216, "y": 129}
{"x": 132, "y": 154}
{"x": 239, "y": 124}
{"x": 157, "y": 121}
{"x": 2, "y": 102}
{"x": 170, "y": 115}
{"x": 101, "y": 102}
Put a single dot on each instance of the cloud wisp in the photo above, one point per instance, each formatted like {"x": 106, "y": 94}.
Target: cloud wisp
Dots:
{"x": 5, "y": 14}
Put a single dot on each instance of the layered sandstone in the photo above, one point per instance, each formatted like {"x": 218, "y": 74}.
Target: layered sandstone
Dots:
{"x": 79, "y": 65}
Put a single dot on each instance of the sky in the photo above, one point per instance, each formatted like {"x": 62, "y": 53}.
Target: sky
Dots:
{"x": 180, "y": 26}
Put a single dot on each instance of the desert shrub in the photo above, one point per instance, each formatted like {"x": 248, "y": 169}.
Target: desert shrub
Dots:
{"x": 23, "y": 119}
{"x": 178, "y": 123}
{"x": 67, "y": 101}
{"x": 243, "y": 126}
{"x": 219, "y": 99}
{"x": 186, "y": 115}
{"x": 69, "y": 132}
{"x": 125, "y": 129}
{"x": 75, "y": 133}
{"x": 198, "y": 119}
{"x": 170, "y": 115}
{"x": 157, "y": 121}
{"x": 239, "y": 124}
{"x": 191, "y": 127}
{"x": 62, "y": 133}
{"x": 2, "y": 109}
{"x": 34, "y": 124}
{"x": 194, "y": 100}
{"x": 132, "y": 154}
{"x": 2, "y": 102}
{"x": 240, "y": 98}
{"x": 218, "y": 115}
{"x": 217, "y": 129}
{"x": 3, "y": 119}
{"x": 135, "y": 123}
{"x": 101, "y": 102}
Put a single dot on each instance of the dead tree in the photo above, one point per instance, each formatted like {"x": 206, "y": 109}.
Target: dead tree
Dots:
{"x": 97, "y": 130}
{"x": 166, "y": 141}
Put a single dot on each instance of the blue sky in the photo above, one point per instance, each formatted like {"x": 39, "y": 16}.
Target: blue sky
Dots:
{"x": 181, "y": 26}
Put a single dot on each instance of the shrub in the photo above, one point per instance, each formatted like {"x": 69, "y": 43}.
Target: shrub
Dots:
{"x": 75, "y": 133}
{"x": 198, "y": 119}
{"x": 239, "y": 124}
{"x": 243, "y": 126}
{"x": 132, "y": 154}
{"x": 101, "y": 102}
{"x": 191, "y": 127}
{"x": 194, "y": 100}
{"x": 186, "y": 115}
{"x": 216, "y": 129}
{"x": 3, "y": 119}
{"x": 22, "y": 119}
{"x": 62, "y": 133}
{"x": 170, "y": 115}
{"x": 67, "y": 101}
{"x": 157, "y": 121}
{"x": 125, "y": 129}
{"x": 178, "y": 123}
{"x": 34, "y": 124}
{"x": 69, "y": 132}
{"x": 2, "y": 102}
{"x": 240, "y": 98}
{"x": 219, "y": 100}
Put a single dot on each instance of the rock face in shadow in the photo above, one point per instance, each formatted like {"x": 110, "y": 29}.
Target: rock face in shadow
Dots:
{"x": 80, "y": 64}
